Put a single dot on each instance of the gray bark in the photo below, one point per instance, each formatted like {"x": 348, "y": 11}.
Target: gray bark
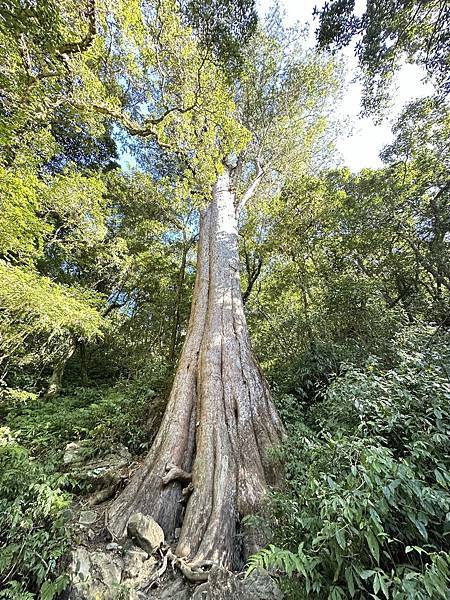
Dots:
{"x": 220, "y": 422}
{"x": 176, "y": 321}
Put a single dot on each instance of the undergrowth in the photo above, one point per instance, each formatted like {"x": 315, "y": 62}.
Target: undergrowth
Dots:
{"x": 366, "y": 511}
{"x": 33, "y": 496}
{"x": 127, "y": 413}
{"x": 33, "y": 536}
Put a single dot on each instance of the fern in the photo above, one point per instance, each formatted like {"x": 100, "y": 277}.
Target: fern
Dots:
{"x": 274, "y": 558}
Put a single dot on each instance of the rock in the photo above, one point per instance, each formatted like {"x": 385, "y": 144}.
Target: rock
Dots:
{"x": 87, "y": 517}
{"x": 112, "y": 546}
{"x": 260, "y": 586}
{"x": 98, "y": 474}
{"x": 90, "y": 535}
{"x": 146, "y": 532}
{"x": 102, "y": 575}
{"x": 224, "y": 585}
{"x": 72, "y": 453}
{"x": 102, "y": 473}
{"x": 133, "y": 561}
{"x": 122, "y": 451}
{"x": 175, "y": 589}
{"x": 93, "y": 575}
{"x": 138, "y": 566}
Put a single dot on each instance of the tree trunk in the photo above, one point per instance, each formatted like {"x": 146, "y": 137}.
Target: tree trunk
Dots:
{"x": 55, "y": 383}
{"x": 174, "y": 338}
{"x": 219, "y": 422}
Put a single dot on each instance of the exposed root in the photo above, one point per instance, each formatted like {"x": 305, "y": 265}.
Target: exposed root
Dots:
{"x": 187, "y": 491}
{"x": 193, "y": 575}
{"x": 196, "y": 575}
{"x": 158, "y": 574}
{"x": 174, "y": 473}
{"x": 103, "y": 495}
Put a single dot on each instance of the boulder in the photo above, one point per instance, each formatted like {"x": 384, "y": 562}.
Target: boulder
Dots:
{"x": 93, "y": 575}
{"x": 146, "y": 532}
{"x": 98, "y": 575}
{"x": 260, "y": 586}
{"x": 98, "y": 474}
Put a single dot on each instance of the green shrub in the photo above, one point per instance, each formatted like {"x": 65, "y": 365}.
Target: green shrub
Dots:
{"x": 32, "y": 533}
{"x": 33, "y": 536}
{"x": 127, "y": 413}
{"x": 366, "y": 512}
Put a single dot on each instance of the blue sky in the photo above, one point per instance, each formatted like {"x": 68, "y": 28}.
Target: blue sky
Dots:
{"x": 363, "y": 140}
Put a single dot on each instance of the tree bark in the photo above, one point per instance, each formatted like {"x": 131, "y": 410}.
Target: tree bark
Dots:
{"x": 56, "y": 379}
{"x": 219, "y": 423}
{"x": 174, "y": 338}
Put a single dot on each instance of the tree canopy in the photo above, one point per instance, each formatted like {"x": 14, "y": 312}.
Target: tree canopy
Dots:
{"x": 386, "y": 34}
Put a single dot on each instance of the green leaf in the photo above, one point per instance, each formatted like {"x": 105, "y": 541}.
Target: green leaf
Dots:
{"x": 48, "y": 590}
{"x": 373, "y": 545}
{"x": 367, "y": 574}
{"x": 421, "y": 528}
{"x": 376, "y": 583}
{"x": 340, "y": 538}
{"x": 384, "y": 586}
{"x": 350, "y": 581}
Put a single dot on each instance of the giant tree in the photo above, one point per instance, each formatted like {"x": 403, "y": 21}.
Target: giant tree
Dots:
{"x": 220, "y": 423}
{"x": 136, "y": 63}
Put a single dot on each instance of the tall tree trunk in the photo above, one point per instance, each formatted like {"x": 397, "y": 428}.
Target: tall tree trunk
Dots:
{"x": 220, "y": 422}
{"x": 174, "y": 338}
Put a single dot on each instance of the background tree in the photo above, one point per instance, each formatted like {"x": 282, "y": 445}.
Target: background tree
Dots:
{"x": 386, "y": 33}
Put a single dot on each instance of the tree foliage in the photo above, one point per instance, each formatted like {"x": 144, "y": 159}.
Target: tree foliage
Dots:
{"x": 386, "y": 33}
{"x": 369, "y": 481}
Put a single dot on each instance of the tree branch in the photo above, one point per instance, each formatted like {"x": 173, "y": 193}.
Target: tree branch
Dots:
{"x": 252, "y": 187}
{"x": 86, "y": 42}
{"x": 253, "y": 272}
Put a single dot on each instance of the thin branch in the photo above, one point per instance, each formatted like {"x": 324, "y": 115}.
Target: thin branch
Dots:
{"x": 86, "y": 42}
{"x": 253, "y": 272}
{"x": 252, "y": 187}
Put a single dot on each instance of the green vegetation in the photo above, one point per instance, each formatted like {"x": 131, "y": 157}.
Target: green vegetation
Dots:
{"x": 365, "y": 510}
{"x": 387, "y": 33}
{"x": 32, "y": 531}
{"x": 345, "y": 276}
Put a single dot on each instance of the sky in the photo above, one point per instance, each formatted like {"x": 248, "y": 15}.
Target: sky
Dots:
{"x": 363, "y": 140}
